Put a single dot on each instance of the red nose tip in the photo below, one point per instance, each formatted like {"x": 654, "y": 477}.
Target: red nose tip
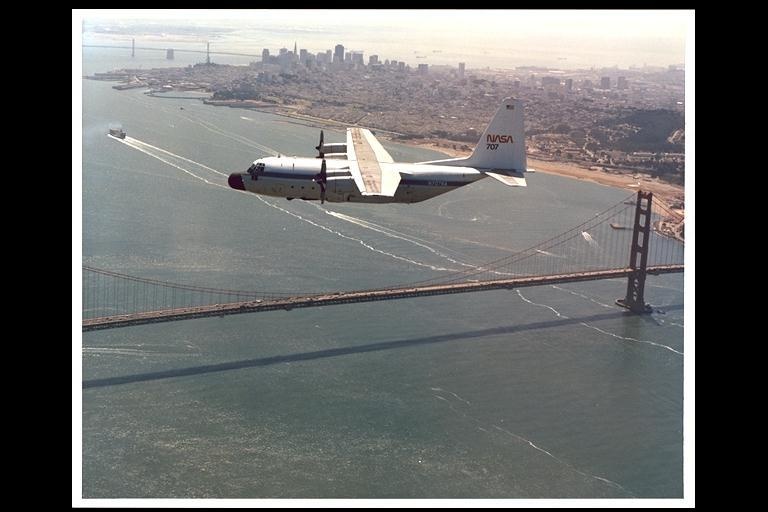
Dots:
{"x": 236, "y": 181}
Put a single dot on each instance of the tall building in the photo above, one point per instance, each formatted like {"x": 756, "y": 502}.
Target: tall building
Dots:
{"x": 303, "y": 55}
{"x": 605, "y": 82}
{"x": 461, "y": 70}
{"x": 622, "y": 82}
{"x": 569, "y": 84}
{"x": 373, "y": 59}
{"x": 338, "y": 54}
{"x": 423, "y": 69}
{"x": 294, "y": 48}
{"x": 265, "y": 56}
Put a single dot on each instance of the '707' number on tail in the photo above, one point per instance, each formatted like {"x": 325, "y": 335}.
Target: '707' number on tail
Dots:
{"x": 492, "y": 141}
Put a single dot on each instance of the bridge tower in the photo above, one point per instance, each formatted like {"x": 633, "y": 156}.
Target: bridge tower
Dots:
{"x": 638, "y": 256}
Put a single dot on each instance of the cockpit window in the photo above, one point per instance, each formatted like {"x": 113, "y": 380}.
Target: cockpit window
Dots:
{"x": 256, "y": 170}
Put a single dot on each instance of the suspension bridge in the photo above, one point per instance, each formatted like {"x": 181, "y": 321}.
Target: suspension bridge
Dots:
{"x": 637, "y": 237}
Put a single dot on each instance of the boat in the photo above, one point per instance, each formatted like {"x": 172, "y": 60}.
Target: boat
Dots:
{"x": 117, "y": 132}
{"x": 618, "y": 226}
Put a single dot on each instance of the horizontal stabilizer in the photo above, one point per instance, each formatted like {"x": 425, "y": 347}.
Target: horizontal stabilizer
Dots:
{"x": 512, "y": 179}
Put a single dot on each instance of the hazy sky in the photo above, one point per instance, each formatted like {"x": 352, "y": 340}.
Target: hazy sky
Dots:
{"x": 572, "y": 38}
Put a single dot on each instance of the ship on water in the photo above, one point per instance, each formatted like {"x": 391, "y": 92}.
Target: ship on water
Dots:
{"x": 117, "y": 132}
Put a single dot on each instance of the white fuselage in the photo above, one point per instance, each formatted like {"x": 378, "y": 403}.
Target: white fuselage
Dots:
{"x": 293, "y": 177}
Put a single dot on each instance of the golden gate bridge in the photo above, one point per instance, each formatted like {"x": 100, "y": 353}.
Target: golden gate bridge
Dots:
{"x": 634, "y": 236}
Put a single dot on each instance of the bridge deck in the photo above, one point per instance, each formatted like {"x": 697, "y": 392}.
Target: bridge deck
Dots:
{"x": 289, "y": 303}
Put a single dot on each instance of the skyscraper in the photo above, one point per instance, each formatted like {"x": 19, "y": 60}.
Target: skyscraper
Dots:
{"x": 338, "y": 54}
{"x": 622, "y": 82}
{"x": 605, "y": 82}
{"x": 461, "y": 70}
{"x": 265, "y": 55}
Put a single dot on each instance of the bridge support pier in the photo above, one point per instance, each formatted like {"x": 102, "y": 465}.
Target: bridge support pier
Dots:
{"x": 638, "y": 256}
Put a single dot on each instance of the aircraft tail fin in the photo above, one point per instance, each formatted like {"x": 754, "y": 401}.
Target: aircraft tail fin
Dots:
{"x": 502, "y": 146}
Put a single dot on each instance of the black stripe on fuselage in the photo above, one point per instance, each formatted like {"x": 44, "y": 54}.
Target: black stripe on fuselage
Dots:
{"x": 426, "y": 181}
{"x": 433, "y": 182}
{"x": 296, "y": 176}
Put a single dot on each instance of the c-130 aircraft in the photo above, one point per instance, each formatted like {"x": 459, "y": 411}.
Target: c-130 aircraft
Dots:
{"x": 362, "y": 171}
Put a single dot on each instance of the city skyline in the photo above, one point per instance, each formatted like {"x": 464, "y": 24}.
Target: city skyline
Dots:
{"x": 566, "y": 39}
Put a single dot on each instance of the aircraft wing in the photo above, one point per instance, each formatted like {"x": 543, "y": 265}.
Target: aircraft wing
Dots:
{"x": 510, "y": 178}
{"x": 365, "y": 155}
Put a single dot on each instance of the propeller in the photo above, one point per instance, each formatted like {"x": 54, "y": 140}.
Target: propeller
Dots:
{"x": 319, "y": 146}
{"x": 321, "y": 178}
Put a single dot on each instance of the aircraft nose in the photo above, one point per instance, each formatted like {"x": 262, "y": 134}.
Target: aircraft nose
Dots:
{"x": 236, "y": 181}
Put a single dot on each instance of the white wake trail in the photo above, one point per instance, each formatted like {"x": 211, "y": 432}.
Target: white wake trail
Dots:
{"x": 117, "y": 351}
{"x": 182, "y": 169}
{"x": 542, "y": 450}
{"x": 454, "y": 394}
{"x": 142, "y": 143}
{"x": 522, "y": 439}
{"x": 625, "y": 338}
{"x": 633, "y": 339}
{"x": 601, "y": 304}
{"x": 392, "y": 234}
{"x": 233, "y": 136}
{"x": 547, "y": 253}
{"x": 361, "y": 242}
{"x": 406, "y": 238}
{"x": 541, "y": 305}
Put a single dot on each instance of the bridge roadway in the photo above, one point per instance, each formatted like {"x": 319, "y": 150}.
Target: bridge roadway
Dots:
{"x": 169, "y": 315}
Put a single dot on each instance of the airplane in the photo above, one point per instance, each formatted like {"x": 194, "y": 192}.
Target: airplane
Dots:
{"x": 361, "y": 170}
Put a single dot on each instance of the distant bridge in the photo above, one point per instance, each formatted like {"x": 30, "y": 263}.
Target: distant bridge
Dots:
{"x": 175, "y": 50}
{"x": 621, "y": 252}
